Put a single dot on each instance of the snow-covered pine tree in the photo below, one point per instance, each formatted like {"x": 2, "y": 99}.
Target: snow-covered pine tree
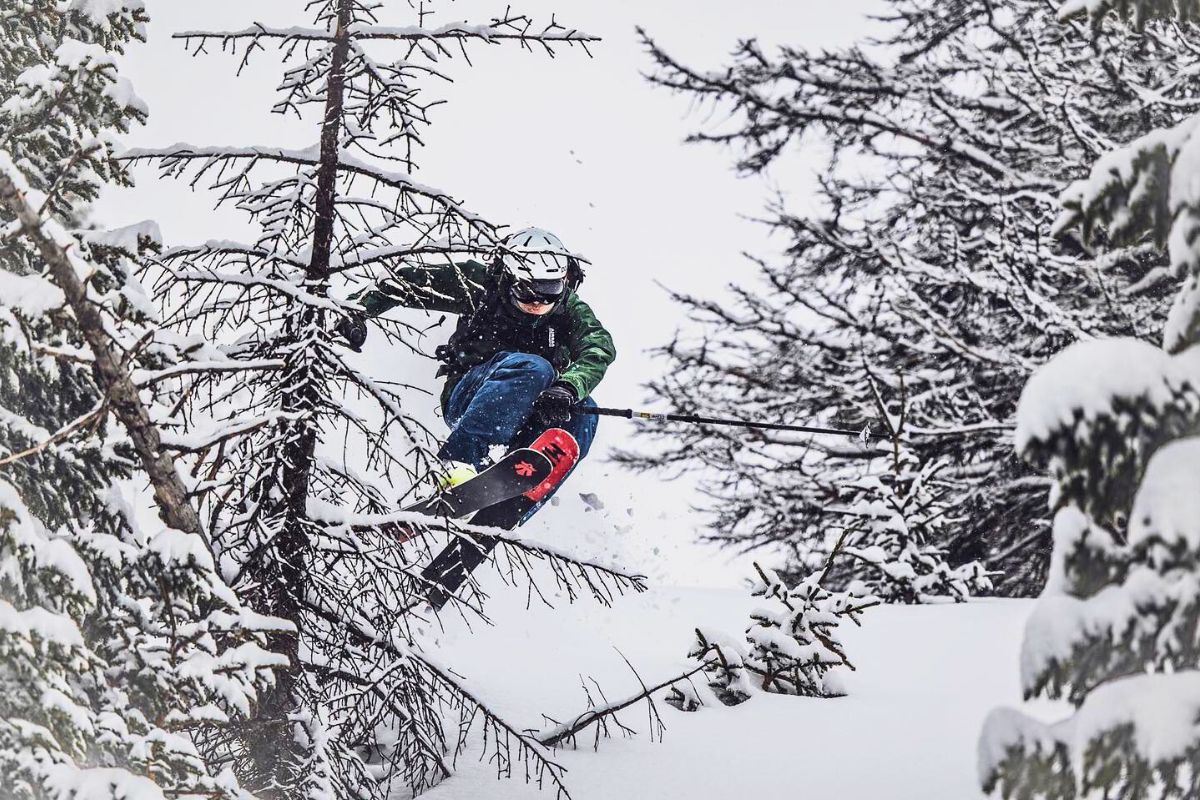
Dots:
{"x": 791, "y": 646}
{"x": 887, "y": 522}
{"x": 1115, "y": 633}
{"x": 302, "y": 521}
{"x": 931, "y": 257}
{"x": 125, "y": 658}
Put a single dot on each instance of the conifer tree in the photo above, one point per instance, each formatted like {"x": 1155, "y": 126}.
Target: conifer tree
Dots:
{"x": 930, "y": 259}
{"x": 791, "y": 646}
{"x": 300, "y": 488}
{"x": 886, "y": 523}
{"x": 1116, "y": 422}
{"x": 126, "y": 658}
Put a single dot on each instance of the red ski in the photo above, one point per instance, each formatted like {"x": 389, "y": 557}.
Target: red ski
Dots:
{"x": 520, "y": 472}
{"x": 451, "y": 567}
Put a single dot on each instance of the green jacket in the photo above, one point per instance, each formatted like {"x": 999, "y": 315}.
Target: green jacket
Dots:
{"x": 570, "y": 337}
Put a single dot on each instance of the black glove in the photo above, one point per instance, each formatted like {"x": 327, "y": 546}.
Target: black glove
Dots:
{"x": 553, "y": 406}
{"x": 353, "y": 329}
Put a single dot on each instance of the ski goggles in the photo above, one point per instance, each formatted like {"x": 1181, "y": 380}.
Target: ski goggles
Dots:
{"x": 550, "y": 291}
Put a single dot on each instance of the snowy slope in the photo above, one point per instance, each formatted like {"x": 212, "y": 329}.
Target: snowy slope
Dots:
{"x": 926, "y": 678}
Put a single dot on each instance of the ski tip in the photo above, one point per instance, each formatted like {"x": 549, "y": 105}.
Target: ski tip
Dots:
{"x": 563, "y": 451}
{"x": 556, "y": 443}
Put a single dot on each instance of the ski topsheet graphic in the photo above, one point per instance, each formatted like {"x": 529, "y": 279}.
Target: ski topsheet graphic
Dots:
{"x": 451, "y": 567}
{"x": 520, "y": 471}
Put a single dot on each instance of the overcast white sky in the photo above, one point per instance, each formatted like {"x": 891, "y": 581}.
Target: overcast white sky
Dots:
{"x": 584, "y": 147}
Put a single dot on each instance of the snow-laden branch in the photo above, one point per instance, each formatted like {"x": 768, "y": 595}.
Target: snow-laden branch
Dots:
{"x": 69, "y": 271}
{"x": 90, "y": 419}
{"x": 277, "y": 285}
{"x": 569, "y": 570}
{"x": 399, "y": 253}
{"x": 511, "y": 28}
{"x": 148, "y": 378}
{"x": 172, "y": 160}
{"x": 201, "y": 441}
{"x": 1139, "y": 11}
{"x": 231, "y": 248}
{"x": 796, "y": 113}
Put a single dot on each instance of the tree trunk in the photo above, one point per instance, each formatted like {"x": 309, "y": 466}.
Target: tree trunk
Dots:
{"x": 170, "y": 495}
{"x": 277, "y": 760}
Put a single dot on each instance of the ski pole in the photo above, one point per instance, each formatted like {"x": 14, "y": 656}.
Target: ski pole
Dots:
{"x": 629, "y": 413}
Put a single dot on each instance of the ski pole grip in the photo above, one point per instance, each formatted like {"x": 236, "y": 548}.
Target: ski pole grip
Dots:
{"x": 600, "y": 411}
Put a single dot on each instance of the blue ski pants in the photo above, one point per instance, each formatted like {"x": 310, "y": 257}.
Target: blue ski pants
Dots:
{"x": 492, "y": 404}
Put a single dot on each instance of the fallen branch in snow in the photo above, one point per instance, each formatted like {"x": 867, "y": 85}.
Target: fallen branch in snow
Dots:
{"x": 602, "y": 714}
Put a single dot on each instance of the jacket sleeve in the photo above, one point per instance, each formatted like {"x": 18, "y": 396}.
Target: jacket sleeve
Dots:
{"x": 591, "y": 349}
{"x": 450, "y": 288}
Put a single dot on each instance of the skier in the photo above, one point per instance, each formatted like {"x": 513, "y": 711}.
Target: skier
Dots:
{"x": 526, "y": 351}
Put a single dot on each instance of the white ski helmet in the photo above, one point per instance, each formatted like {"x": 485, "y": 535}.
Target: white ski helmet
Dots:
{"x": 537, "y": 258}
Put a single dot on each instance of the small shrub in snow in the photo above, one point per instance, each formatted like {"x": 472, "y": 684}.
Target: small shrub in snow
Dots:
{"x": 726, "y": 675}
{"x": 791, "y": 646}
{"x": 891, "y": 524}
